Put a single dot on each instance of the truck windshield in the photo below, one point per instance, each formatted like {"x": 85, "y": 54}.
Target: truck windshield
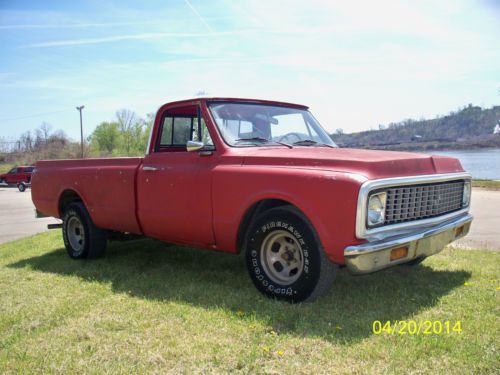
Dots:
{"x": 248, "y": 124}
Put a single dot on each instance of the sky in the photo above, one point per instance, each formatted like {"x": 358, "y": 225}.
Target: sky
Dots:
{"x": 356, "y": 64}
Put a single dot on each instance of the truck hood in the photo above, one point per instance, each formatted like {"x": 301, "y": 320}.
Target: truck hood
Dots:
{"x": 372, "y": 164}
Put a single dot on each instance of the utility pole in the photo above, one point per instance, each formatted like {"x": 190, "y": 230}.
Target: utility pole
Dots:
{"x": 81, "y": 126}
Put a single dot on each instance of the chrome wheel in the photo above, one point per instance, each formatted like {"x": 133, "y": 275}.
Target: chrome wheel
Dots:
{"x": 282, "y": 257}
{"x": 76, "y": 234}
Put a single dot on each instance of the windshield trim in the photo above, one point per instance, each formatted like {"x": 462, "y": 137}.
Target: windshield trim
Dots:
{"x": 303, "y": 108}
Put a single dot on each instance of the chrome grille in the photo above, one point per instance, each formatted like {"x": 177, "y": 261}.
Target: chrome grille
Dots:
{"x": 415, "y": 202}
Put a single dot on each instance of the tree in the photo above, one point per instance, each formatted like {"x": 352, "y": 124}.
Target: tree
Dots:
{"x": 127, "y": 123}
{"x": 43, "y": 132}
{"x": 127, "y": 136}
{"x": 26, "y": 142}
{"x": 107, "y": 136}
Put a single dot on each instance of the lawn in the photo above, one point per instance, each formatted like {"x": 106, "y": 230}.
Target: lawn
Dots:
{"x": 5, "y": 167}
{"x": 152, "y": 308}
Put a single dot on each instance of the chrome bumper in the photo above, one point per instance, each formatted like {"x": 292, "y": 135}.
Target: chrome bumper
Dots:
{"x": 376, "y": 255}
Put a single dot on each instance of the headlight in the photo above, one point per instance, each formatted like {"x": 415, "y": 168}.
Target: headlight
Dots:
{"x": 376, "y": 209}
{"x": 466, "y": 195}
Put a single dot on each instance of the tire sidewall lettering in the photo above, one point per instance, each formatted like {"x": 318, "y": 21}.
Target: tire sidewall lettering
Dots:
{"x": 263, "y": 282}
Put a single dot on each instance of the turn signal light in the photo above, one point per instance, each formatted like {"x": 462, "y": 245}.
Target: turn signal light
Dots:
{"x": 399, "y": 252}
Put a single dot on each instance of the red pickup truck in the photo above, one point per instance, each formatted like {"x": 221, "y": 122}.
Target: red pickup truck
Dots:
{"x": 264, "y": 178}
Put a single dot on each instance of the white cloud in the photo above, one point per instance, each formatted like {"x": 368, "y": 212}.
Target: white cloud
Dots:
{"x": 140, "y": 36}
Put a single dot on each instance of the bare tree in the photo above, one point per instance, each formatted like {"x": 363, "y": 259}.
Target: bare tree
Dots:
{"x": 125, "y": 119}
{"x": 128, "y": 122}
{"x": 43, "y": 131}
{"x": 26, "y": 141}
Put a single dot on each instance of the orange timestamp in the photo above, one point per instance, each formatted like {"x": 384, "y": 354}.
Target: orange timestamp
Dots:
{"x": 414, "y": 327}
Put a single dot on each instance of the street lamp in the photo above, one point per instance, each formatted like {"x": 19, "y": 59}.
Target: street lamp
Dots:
{"x": 81, "y": 126}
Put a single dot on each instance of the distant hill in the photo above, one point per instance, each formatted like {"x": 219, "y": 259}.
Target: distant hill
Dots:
{"x": 469, "y": 127}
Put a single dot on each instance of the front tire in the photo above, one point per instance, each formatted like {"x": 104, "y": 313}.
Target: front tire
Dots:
{"x": 82, "y": 238}
{"x": 285, "y": 258}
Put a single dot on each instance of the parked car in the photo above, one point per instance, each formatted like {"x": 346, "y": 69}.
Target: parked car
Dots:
{"x": 263, "y": 178}
{"x": 16, "y": 175}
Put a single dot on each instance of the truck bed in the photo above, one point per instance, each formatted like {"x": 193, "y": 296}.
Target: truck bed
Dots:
{"x": 107, "y": 186}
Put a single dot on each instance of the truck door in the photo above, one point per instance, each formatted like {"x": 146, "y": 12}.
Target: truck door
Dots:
{"x": 174, "y": 185}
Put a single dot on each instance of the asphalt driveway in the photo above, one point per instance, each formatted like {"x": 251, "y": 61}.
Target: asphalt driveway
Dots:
{"x": 17, "y": 215}
{"x": 17, "y": 218}
{"x": 485, "y": 229}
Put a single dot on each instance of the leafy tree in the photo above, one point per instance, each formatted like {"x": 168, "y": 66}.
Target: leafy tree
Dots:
{"x": 106, "y": 137}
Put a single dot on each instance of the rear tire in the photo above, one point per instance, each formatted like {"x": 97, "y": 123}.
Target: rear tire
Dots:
{"x": 21, "y": 187}
{"x": 82, "y": 238}
{"x": 285, "y": 258}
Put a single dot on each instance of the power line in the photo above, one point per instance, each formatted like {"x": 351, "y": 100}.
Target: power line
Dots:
{"x": 30, "y": 116}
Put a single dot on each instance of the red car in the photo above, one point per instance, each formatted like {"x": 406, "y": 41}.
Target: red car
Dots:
{"x": 265, "y": 179}
{"x": 17, "y": 175}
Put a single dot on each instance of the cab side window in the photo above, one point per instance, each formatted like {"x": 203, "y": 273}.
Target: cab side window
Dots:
{"x": 179, "y": 126}
{"x": 176, "y": 131}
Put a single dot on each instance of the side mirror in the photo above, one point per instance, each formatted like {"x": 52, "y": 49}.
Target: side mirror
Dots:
{"x": 194, "y": 146}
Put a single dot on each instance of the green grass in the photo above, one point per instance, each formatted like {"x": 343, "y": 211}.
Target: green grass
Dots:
{"x": 5, "y": 167}
{"x": 488, "y": 184}
{"x": 151, "y": 308}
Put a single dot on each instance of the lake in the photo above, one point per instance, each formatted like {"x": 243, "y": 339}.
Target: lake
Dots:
{"x": 482, "y": 163}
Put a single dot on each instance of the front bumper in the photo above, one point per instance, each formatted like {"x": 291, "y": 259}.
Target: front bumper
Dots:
{"x": 376, "y": 255}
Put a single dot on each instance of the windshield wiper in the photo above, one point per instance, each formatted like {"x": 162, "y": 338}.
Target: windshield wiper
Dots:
{"x": 310, "y": 142}
{"x": 263, "y": 140}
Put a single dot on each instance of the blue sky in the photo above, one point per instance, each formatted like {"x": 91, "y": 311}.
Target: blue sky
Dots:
{"x": 357, "y": 64}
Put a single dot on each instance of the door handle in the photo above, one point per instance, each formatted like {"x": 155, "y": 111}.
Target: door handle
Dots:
{"x": 148, "y": 168}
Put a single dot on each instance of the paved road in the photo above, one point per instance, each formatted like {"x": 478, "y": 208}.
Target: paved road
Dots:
{"x": 17, "y": 215}
{"x": 17, "y": 218}
{"x": 485, "y": 230}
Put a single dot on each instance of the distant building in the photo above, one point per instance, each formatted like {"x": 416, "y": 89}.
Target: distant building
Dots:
{"x": 496, "y": 129}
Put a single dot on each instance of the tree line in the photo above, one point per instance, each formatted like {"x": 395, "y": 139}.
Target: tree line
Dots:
{"x": 470, "y": 125}
{"x": 126, "y": 135}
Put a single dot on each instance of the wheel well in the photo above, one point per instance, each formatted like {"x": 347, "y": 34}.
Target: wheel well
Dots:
{"x": 67, "y": 197}
{"x": 255, "y": 210}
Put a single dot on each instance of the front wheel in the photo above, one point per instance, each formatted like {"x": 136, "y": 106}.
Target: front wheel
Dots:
{"x": 82, "y": 238}
{"x": 285, "y": 258}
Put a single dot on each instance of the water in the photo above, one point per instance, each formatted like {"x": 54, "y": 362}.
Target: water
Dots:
{"x": 482, "y": 163}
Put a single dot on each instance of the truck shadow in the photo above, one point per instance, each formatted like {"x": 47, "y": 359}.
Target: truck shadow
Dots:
{"x": 151, "y": 270}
